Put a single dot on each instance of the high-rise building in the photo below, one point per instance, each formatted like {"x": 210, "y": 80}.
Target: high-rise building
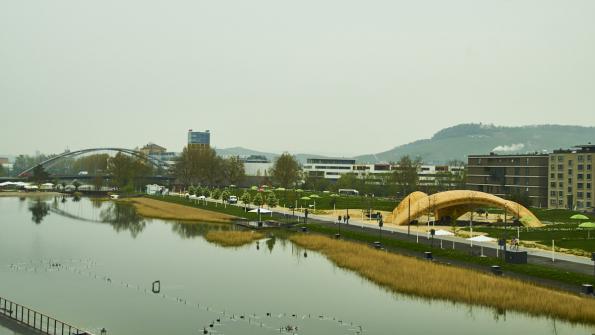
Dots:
{"x": 571, "y": 178}
{"x": 199, "y": 139}
{"x": 507, "y": 175}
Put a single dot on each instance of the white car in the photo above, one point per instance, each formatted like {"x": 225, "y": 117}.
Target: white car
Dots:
{"x": 232, "y": 199}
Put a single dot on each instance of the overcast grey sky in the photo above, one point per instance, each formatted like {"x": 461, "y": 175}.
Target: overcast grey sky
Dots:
{"x": 319, "y": 76}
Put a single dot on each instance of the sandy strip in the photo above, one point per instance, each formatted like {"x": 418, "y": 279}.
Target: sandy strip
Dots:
{"x": 169, "y": 211}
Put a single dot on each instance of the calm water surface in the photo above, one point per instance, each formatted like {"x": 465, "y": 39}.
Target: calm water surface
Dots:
{"x": 108, "y": 257}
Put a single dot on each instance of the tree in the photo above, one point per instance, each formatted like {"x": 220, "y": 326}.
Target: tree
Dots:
{"x": 2, "y": 171}
{"x": 258, "y": 200}
{"x": 235, "y": 170}
{"x": 92, "y": 163}
{"x": 225, "y": 195}
{"x": 39, "y": 175}
{"x": 349, "y": 181}
{"x": 203, "y": 167}
{"x": 216, "y": 194}
{"x": 405, "y": 175}
{"x": 76, "y": 185}
{"x": 98, "y": 182}
{"x": 246, "y": 198}
{"x": 127, "y": 172}
{"x": 192, "y": 190}
{"x": 286, "y": 170}
{"x": 272, "y": 200}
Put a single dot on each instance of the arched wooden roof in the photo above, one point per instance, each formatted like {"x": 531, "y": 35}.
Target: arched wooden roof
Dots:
{"x": 443, "y": 202}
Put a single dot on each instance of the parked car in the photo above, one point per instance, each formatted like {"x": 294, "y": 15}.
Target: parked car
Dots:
{"x": 232, "y": 199}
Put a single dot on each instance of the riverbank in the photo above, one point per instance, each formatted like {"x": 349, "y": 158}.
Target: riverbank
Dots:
{"x": 158, "y": 209}
{"x": 551, "y": 274}
{"x": 423, "y": 278}
{"x": 28, "y": 194}
{"x": 233, "y": 238}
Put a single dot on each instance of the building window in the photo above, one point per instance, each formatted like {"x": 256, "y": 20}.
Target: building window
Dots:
{"x": 570, "y": 172}
{"x": 553, "y": 193}
{"x": 569, "y": 189}
{"x": 588, "y": 204}
{"x": 579, "y": 176}
{"x": 588, "y": 195}
{"x": 553, "y": 184}
{"x": 580, "y": 158}
{"x": 588, "y": 167}
{"x": 552, "y": 175}
{"x": 560, "y": 202}
{"x": 579, "y": 194}
{"x": 588, "y": 176}
{"x": 560, "y": 167}
{"x": 589, "y": 158}
{"x": 552, "y": 167}
{"x": 579, "y": 204}
{"x": 560, "y": 175}
{"x": 570, "y": 162}
{"x": 560, "y": 158}
{"x": 579, "y": 185}
{"x": 588, "y": 185}
{"x": 560, "y": 184}
{"x": 553, "y": 202}
{"x": 580, "y": 167}
{"x": 560, "y": 193}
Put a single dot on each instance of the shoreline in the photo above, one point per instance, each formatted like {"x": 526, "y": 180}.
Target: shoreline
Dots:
{"x": 417, "y": 277}
{"x": 18, "y": 194}
{"x": 156, "y": 209}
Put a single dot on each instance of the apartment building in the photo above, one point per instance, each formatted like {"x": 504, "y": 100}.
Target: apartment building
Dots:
{"x": 505, "y": 175}
{"x": 571, "y": 178}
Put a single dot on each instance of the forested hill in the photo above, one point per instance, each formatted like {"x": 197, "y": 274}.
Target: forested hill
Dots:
{"x": 461, "y": 140}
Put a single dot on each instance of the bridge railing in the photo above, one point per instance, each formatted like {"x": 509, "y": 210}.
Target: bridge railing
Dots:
{"x": 31, "y": 318}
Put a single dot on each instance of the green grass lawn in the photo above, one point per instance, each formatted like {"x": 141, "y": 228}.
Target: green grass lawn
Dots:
{"x": 558, "y": 215}
{"x": 325, "y": 201}
{"x": 564, "y": 235}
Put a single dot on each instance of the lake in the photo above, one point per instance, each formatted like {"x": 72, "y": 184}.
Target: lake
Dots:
{"x": 92, "y": 263}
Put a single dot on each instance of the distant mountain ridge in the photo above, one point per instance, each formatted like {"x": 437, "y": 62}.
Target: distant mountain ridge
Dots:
{"x": 459, "y": 141}
{"x": 244, "y": 152}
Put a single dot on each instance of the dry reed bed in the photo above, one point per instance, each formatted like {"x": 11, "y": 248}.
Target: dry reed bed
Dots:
{"x": 422, "y": 278}
{"x": 169, "y": 211}
{"x": 232, "y": 238}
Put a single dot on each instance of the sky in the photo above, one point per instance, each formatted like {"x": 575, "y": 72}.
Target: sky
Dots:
{"x": 334, "y": 77}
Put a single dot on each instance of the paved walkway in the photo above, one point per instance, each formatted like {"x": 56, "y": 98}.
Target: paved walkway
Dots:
{"x": 535, "y": 256}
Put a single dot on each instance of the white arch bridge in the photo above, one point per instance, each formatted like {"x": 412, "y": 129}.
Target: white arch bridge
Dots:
{"x": 51, "y": 161}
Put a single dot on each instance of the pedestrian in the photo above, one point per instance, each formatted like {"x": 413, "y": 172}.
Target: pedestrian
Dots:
{"x": 344, "y": 218}
{"x": 348, "y": 217}
{"x": 339, "y": 219}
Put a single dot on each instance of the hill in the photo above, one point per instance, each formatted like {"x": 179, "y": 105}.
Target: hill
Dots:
{"x": 243, "y": 152}
{"x": 461, "y": 140}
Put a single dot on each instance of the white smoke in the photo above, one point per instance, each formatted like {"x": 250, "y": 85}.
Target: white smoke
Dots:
{"x": 508, "y": 148}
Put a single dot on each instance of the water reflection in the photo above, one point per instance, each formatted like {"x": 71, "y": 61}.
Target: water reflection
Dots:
{"x": 39, "y": 209}
{"x": 189, "y": 230}
{"x": 123, "y": 217}
{"x": 271, "y": 243}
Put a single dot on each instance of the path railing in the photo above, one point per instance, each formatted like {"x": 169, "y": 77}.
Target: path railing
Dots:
{"x": 33, "y": 319}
